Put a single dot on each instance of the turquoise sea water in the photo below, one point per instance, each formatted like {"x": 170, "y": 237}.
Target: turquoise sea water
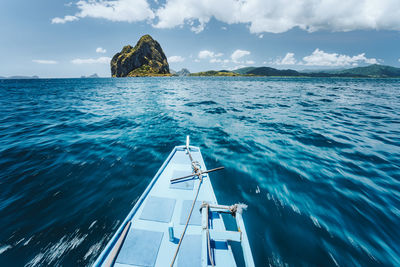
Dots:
{"x": 316, "y": 160}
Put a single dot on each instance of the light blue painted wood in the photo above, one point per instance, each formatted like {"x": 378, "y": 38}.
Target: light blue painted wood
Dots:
{"x": 158, "y": 209}
{"x": 160, "y": 188}
{"x": 190, "y": 251}
{"x": 140, "y": 248}
{"x": 195, "y": 219}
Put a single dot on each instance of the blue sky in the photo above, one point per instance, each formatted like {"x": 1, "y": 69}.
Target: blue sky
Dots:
{"x": 73, "y": 38}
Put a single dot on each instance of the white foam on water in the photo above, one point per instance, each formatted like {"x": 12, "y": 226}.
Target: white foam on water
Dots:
{"x": 295, "y": 208}
{"x": 4, "y": 248}
{"x": 330, "y": 254}
{"x": 93, "y": 223}
{"x": 27, "y": 241}
{"x": 315, "y": 221}
{"x": 94, "y": 249}
{"x": 54, "y": 252}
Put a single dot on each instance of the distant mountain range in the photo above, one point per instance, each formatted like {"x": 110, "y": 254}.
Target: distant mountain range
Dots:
{"x": 371, "y": 71}
{"x": 18, "y": 77}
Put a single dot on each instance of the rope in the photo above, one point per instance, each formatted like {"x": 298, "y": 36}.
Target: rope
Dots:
{"x": 200, "y": 175}
{"x": 196, "y": 172}
{"x": 187, "y": 222}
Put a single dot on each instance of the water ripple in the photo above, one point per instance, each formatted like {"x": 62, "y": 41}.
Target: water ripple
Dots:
{"x": 316, "y": 160}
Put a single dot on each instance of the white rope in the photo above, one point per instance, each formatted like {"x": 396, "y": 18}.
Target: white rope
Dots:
{"x": 196, "y": 172}
{"x": 187, "y": 222}
{"x": 200, "y": 175}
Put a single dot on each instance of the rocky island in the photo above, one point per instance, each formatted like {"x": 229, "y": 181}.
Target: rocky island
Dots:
{"x": 145, "y": 59}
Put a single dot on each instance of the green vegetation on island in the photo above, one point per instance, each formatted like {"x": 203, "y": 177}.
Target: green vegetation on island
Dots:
{"x": 145, "y": 59}
{"x": 148, "y": 59}
{"x": 374, "y": 71}
{"x": 371, "y": 71}
{"x": 216, "y": 73}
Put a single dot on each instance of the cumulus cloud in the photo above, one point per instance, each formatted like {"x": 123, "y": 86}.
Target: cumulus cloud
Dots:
{"x": 239, "y": 54}
{"x": 100, "y": 50}
{"x": 216, "y": 57}
{"x": 287, "y": 60}
{"x": 68, "y": 18}
{"x": 45, "y": 61}
{"x": 204, "y": 54}
{"x": 274, "y": 16}
{"x": 279, "y": 15}
{"x": 115, "y": 10}
{"x": 174, "y": 59}
{"x": 219, "y": 60}
{"x": 100, "y": 60}
{"x": 321, "y": 58}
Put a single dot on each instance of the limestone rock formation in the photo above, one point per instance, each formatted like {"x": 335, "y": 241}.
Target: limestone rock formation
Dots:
{"x": 145, "y": 59}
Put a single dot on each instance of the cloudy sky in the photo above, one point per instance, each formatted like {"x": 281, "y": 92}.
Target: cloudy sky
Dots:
{"x": 73, "y": 38}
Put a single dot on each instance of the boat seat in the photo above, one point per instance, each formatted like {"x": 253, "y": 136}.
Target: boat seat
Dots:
{"x": 187, "y": 184}
{"x": 195, "y": 219}
{"x": 190, "y": 251}
{"x": 140, "y": 248}
{"x": 158, "y": 209}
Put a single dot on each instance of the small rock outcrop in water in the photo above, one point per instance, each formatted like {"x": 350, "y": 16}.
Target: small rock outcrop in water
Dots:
{"x": 183, "y": 72}
{"x": 91, "y": 76}
{"x": 145, "y": 59}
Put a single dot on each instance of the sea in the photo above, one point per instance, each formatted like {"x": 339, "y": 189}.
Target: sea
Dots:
{"x": 317, "y": 161}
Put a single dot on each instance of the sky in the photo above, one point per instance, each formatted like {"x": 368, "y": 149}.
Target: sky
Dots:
{"x": 54, "y": 39}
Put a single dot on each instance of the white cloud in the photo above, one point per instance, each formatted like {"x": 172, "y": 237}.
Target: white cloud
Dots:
{"x": 68, "y": 18}
{"x": 208, "y": 54}
{"x": 321, "y": 58}
{"x": 274, "y": 16}
{"x": 250, "y": 62}
{"x": 399, "y": 59}
{"x": 174, "y": 59}
{"x": 115, "y": 10}
{"x": 282, "y": 15}
{"x": 219, "y": 60}
{"x": 100, "y": 60}
{"x": 44, "y": 61}
{"x": 100, "y": 50}
{"x": 216, "y": 57}
{"x": 239, "y": 54}
{"x": 287, "y": 60}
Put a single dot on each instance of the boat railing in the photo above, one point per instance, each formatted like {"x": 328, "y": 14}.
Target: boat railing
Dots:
{"x": 236, "y": 236}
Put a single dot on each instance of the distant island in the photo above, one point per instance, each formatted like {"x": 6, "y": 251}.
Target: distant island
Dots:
{"x": 371, "y": 71}
{"x": 148, "y": 59}
{"x": 145, "y": 59}
{"x": 90, "y": 76}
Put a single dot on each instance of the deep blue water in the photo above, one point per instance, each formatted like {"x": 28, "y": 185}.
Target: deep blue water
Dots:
{"x": 316, "y": 160}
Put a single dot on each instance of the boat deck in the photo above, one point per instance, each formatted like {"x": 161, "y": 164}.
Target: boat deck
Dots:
{"x": 165, "y": 204}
